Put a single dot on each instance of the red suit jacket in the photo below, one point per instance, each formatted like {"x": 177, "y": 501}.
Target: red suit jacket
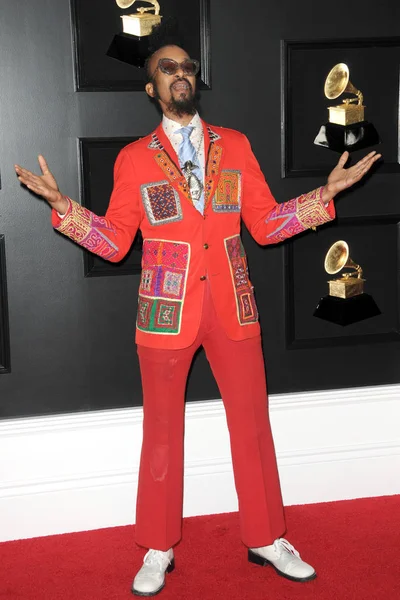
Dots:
{"x": 182, "y": 248}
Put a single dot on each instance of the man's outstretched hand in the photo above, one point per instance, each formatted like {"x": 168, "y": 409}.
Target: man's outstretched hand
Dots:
{"x": 340, "y": 178}
{"x": 44, "y": 185}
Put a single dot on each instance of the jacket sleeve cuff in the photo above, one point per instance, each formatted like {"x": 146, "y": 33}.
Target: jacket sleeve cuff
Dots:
{"x": 312, "y": 211}
{"x": 56, "y": 219}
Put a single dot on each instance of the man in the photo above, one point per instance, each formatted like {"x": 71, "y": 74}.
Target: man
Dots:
{"x": 187, "y": 186}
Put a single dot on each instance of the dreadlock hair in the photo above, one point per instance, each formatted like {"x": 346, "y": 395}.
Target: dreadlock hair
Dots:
{"x": 167, "y": 33}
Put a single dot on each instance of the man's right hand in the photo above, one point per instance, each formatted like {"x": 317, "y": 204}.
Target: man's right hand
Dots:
{"x": 44, "y": 185}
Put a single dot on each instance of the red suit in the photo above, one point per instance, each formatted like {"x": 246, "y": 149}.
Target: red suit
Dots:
{"x": 195, "y": 290}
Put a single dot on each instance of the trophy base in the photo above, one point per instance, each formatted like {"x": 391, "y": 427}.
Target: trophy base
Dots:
{"x": 140, "y": 24}
{"x": 345, "y": 311}
{"x": 347, "y": 137}
{"x": 346, "y": 288}
{"x": 129, "y": 49}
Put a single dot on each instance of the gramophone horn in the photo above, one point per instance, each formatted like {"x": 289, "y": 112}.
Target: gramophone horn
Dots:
{"x": 337, "y": 82}
{"x": 125, "y": 3}
{"x": 337, "y": 258}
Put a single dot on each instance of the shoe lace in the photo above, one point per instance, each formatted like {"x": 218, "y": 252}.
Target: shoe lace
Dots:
{"x": 154, "y": 557}
{"x": 283, "y": 545}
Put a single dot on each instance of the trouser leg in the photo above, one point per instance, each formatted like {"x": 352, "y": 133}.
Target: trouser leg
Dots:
{"x": 238, "y": 368}
{"x": 160, "y": 486}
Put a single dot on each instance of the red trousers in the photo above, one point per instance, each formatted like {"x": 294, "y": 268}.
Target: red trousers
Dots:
{"x": 238, "y": 368}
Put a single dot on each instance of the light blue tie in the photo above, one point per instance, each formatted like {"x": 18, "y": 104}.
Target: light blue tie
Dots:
{"x": 187, "y": 153}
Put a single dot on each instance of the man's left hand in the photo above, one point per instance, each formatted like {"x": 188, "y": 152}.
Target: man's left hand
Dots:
{"x": 340, "y": 178}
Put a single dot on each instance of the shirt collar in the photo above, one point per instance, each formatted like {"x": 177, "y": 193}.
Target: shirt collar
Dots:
{"x": 170, "y": 126}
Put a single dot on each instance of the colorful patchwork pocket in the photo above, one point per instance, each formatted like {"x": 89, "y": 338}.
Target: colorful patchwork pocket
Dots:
{"x": 163, "y": 285}
{"x": 161, "y": 203}
{"x": 227, "y": 197}
{"x": 245, "y": 301}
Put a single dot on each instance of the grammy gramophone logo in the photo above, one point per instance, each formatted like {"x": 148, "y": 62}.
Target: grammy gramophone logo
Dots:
{"x": 346, "y": 302}
{"x": 347, "y": 128}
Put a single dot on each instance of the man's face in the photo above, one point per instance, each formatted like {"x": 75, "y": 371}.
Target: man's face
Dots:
{"x": 175, "y": 93}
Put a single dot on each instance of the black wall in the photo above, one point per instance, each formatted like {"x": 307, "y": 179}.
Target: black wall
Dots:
{"x": 71, "y": 337}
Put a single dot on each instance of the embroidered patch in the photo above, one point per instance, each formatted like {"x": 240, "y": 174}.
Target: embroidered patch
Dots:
{"x": 172, "y": 283}
{"x": 311, "y": 211}
{"x": 166, "y": 164}
{"x": 167, "y": 315}
{"x": 89, "y": 230}
{"x": 155, "y": 143}
{"x": 212, "y": 171}
{"x": 245, "y": 301}
{"x": 214, "y": 159}
{"x": 147, "y": 278}
{"x": 213, "y": 135}
{"x": 161, "y": 203}
{"x": 247, "y": 307}
{"x": 163, "y": 286}
{"x": 144, "y": 311}
{"x": 228, "y": 195}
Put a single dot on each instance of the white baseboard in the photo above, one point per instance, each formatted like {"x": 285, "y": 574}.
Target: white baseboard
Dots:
{"x": 76, "y": 472}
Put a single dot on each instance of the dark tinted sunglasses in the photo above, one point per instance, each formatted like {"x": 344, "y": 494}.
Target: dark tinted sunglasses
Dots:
{"x": 169, "y": 66}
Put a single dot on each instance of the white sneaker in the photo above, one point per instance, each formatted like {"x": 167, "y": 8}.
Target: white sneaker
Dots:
{"x": 150, "y": 579}
{"x": 285, "y": 560}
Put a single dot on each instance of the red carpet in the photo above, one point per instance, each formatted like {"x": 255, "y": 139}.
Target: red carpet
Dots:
{"x": 354, "y": 545}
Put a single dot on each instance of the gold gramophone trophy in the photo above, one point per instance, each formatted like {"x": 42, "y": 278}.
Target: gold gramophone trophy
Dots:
{"x": 347, "y": 128}
{"x": 131, "y": 46}
{"x": 346, "y": 303}
{"x": 350, "y": 283}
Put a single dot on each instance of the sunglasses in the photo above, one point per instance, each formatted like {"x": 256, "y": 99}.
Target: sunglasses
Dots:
{"x": 169, "y": 66}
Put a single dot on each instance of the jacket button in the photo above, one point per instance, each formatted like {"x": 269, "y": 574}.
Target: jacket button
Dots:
{"x": 205, "y": 246}
{"x": 203, "y": 277}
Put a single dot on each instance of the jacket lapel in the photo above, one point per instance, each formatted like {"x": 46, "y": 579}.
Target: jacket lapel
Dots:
{"x": 166, "y": 144}
{"x": 166, "y": 158}
{"x": 213, "y": 152}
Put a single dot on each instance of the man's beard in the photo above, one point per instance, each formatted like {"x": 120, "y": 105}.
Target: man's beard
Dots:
{"x": 180, "y": 106}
